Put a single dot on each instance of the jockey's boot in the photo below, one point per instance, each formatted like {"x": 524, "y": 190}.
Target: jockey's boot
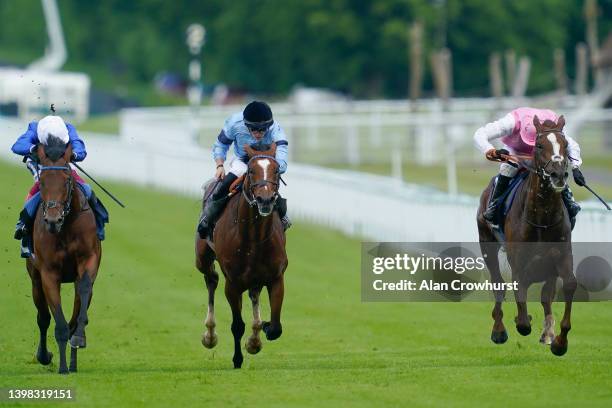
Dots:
{"x": 24, "y": 225}
{"x": 214, "y": 205}
{"x": 573, "y": 208}
{"x": 494, "y": 200}
{"x": 100, "y": 214}
{"x": 281, "y": 207}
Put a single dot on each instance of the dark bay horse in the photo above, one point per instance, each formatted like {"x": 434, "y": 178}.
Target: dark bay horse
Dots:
{"x": 249, "y": 244}
{"x": 66, "y": 249}
{"x": 538, "y": 238}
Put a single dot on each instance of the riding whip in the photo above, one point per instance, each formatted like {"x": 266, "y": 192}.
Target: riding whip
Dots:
{"x": 597, "y": 195}
{"x": 99, "y": 185}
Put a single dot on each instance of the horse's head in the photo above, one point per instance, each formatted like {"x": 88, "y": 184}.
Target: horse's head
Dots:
{"x": 550, "y": 154}
{"x": 263, "y": 175}
{"x": 55, "y": 182}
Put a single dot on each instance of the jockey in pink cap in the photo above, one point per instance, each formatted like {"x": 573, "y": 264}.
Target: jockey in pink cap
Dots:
{"x": 518, "y": 134}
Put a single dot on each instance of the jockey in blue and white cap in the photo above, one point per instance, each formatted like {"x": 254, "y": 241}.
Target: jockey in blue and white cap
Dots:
{"x": 38, "y": 133}
{"x": 253, "y": 126}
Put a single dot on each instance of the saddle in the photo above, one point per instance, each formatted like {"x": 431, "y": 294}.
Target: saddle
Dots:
{"x": 508, "y": 198}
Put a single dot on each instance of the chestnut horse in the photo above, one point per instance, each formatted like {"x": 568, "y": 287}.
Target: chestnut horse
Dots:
{"x": 66, "y": 249}
{"x": 249, "y": 244}
{"x": 538, "y": 237}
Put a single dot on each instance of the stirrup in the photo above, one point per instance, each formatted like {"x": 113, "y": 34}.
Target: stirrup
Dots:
{"x": 20, "y": 231}
{"x": 286, "y": 222}
{"x": 203, "y": 228}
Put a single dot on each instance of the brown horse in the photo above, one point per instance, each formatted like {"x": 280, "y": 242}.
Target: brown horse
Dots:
{"x": 66, "y": 249}
{"x": 249, "y": 244}
{"x": 538, "y": 238}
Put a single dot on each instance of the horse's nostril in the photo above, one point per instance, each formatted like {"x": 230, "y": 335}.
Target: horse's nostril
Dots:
{"x": 566, "y": 174}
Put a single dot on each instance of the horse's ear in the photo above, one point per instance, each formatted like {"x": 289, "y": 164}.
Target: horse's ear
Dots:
{"x": 536, "y": 123}
{"x": 249, "y": 150}
{"x": 68, "y": 153}
{"x": 272, "y": 151}
{"x": 40, "y": 151}
{"x": 561, "y": 122}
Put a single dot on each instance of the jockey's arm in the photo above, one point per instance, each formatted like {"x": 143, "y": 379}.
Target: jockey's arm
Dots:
{"x": 220, "y": 147}
{"x": 26, "y": 142}
{"x": 219, "y": 150}
{"x": 78, "y": 146}
{"x": 573, "y": 151}
{"x": 282, "y": 151}
{"x": 494, "y": 130}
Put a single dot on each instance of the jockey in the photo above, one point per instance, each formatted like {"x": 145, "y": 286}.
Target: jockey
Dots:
{"x": 518, "y": 134}
{"x": 253, "y": 126}
{"x": 39, "y": 132}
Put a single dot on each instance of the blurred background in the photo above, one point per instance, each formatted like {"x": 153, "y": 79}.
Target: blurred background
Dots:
{"x": 379, "y": 99}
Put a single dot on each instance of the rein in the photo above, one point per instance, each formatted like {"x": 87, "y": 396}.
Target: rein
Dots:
{"x": 525, "y": 162}
{"x": 70, "y": 186}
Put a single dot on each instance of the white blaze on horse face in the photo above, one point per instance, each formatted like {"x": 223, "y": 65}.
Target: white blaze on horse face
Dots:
{"x": 264, "y": 164}
{"x": 552, "y": 138}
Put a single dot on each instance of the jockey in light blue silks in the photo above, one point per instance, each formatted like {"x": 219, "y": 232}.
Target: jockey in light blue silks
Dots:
{"x": 39, "y": 132}
{"x": 254, "y": 126}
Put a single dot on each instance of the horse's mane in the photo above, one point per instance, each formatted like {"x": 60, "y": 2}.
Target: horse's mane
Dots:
{"x": 55, "y": 148}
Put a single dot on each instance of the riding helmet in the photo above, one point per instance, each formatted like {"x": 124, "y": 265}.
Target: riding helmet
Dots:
{"x": 258, "y": 115}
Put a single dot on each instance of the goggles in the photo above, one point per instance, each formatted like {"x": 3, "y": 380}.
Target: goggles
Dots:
{"x": 259, "y": 126}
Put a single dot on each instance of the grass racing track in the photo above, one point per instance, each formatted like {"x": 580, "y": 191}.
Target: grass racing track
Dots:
{"x": 147, "y": 316}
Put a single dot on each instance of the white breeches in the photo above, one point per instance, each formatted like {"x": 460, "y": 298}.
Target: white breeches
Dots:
{"x": 505, "y": 169}
{"x": 237, "y": 167}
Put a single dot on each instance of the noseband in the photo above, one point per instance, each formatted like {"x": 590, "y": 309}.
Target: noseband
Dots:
{"x": 541, "y": 170}
{"x": 260, "y": 183}
{"x": 52, "y": 203}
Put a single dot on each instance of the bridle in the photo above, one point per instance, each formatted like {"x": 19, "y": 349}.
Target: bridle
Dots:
{"x": 524, "y": 160}
{"x": 541, "y": 171}
{"x": 253, "y": 185}
{"x": 46, "y": 205}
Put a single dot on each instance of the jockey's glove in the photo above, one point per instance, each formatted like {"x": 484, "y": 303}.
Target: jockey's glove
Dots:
{"x": 578, "y": 177}
{"x": 495, "y": 155}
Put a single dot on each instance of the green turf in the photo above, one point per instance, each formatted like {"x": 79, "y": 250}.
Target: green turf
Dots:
{"x": 149, "y": 302}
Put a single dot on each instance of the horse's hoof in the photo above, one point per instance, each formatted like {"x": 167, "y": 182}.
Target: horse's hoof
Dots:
{"x": 272, "y": 333}
{"x": 237, "y": 363}
{"x": 253, "y": 345}
{"x": 499, "y": 337}
{"x": 558, "y": 347}
{"x": 73, "y": 369}
{"x": 523, "y": 330}
{"x": 63, "y": 371}
{"x": 546, "y": 339}
{"x": 44, "y": 359}
{"x": 77, "y": 342}
{"x": 209, "y": 341}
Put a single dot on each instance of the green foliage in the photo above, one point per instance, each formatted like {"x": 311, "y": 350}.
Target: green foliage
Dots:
{"x": 268, "y": 46}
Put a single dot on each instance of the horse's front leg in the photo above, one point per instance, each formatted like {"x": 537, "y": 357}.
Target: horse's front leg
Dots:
{"x": 522, "y": 320}
{"x": 559, "y": 344}
{"x": 43, "y": 318}
{"x": 87, "y": 272}
{"x": 234, "y": 297}
{"x": 490, "y": 251}
{"x": 276, "y": 292}
{"x": 51, "y": 286}
{"x": 548, "y": 294}
{"x": 253, "y": 344}
{"x": 205, "y": 262}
